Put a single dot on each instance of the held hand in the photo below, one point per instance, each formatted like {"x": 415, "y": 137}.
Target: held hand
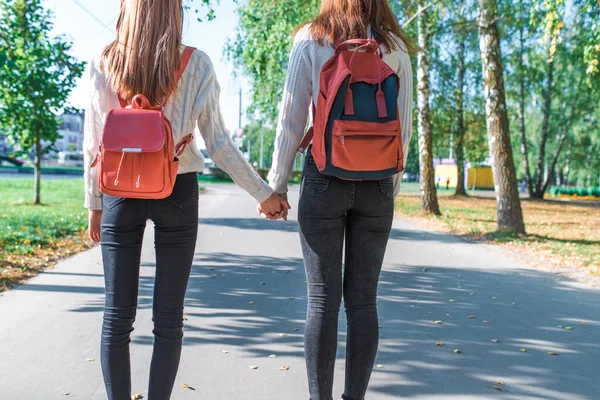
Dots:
{"x": 94, "y": 220}
{"x": 274, "y": 208}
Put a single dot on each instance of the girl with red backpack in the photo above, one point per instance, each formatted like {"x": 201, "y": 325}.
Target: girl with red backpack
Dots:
{"x": 147, "y": 95}
{"x": 351, "y": 66}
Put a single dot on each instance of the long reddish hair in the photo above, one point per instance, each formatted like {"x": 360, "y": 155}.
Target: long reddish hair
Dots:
{"x": 341, "y": 20}
{"x": 147, "y": 50}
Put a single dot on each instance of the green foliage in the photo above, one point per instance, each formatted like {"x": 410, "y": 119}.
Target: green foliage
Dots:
{"x": 591, "y": 191}
{"x": 252, "y": 138}
{"x": 24, "y": 227}
{"x": 37, "y": 77}
{"x": 262, "y": 45}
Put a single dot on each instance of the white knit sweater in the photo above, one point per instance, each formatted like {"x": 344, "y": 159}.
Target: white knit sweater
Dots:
{"x": 301, "y": 91}
{"x": 196, "y": 101}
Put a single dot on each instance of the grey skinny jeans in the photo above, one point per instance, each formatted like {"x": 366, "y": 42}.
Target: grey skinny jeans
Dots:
{"x": 333, "y": 211}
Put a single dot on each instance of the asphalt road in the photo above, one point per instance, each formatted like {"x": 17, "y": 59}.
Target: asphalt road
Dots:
{"x": 489, "y": 303}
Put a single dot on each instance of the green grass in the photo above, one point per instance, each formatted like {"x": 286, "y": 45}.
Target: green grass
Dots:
{"x": 557, "y": 232}
{"x": 25, "y": 227}
{"x": 33, "y": 238}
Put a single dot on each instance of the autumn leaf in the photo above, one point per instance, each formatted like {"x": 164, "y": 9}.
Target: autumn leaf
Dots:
{"x": 284, "y": 368}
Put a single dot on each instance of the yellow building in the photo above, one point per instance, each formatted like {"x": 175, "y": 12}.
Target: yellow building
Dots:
{"x": 478, "y": 177}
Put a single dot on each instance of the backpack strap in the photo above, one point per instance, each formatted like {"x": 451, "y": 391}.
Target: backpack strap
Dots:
{"x": 185, "y": 59}
{"x": 309, "y": 135}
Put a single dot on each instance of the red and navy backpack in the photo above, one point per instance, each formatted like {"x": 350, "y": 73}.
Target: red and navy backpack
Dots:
{"x": 356, "y": 126}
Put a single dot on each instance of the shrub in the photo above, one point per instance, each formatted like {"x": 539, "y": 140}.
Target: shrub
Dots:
{"x": 590, "y": 191}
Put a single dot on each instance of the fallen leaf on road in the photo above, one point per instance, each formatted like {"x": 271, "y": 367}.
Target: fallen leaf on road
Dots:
{"x": 440, "y": 344}
{"x": 380, "y": 366}
{"x": 273, "y": 356}
{"x": 523, "y": 350}
{"x": 284, "y": 368}
{"x": 498, "y": 388}
{"x": 137, "y": 396}
{"x": 457, "y": 351}
{"x": 90, "y": 359}
{"x": 187, "y": 387}
{"x": 495, "y": 341}
{"x": 253, "y": 367}
{"x": 552, "y": 353}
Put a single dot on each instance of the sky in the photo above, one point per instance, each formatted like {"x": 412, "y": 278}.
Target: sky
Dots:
{"x": 91, "y": 31}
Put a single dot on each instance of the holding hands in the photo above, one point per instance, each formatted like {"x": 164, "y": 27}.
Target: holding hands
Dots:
{"x": 275, "y": 207}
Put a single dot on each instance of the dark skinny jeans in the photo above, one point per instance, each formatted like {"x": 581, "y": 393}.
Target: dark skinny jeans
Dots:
{"x": 123, "y": 225}
{"x": 333, "y": 211}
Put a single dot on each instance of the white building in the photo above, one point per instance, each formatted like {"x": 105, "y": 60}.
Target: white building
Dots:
{"x": 71, "y": 133}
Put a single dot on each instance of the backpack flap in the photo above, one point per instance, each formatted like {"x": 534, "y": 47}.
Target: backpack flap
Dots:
{"x": 131, "y": 130}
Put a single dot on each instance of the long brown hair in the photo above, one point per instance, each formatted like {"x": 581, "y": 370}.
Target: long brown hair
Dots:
{"x": 146, "y": 52}
{"x": 341, "y": 20}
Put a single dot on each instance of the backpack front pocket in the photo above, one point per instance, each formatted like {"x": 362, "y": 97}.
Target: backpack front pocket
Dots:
{"x": 366, "y": 146}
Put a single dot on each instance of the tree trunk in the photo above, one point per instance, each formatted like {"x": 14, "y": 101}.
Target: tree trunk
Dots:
{"x": 524, "y": 149}
{"x": 510, "y": 214}
{"x": 560, "y": 143}
{"x": 460, "y": 123}
{"x": 539, "y": 177}
{"x": 428, "y": 192}
{"x": 38, "y": 170}
{"x": 567, "y": 169}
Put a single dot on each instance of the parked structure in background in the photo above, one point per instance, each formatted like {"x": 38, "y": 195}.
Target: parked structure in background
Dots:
{"x": 477, "y": 176}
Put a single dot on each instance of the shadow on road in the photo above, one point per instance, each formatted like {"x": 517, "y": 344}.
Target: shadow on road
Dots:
{"x": 490, "y": 315}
